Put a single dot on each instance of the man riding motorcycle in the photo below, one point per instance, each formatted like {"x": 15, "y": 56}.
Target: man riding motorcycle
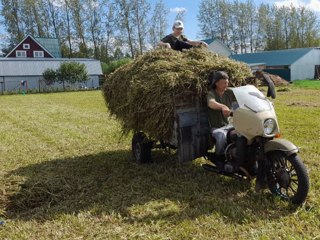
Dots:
{"x": 220, "y": 100}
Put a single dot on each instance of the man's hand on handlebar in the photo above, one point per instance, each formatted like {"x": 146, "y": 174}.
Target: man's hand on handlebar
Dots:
{"x": 225, "y": 111}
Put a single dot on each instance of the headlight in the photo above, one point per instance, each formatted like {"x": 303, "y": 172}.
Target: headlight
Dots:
{"x": 269, "y": 126}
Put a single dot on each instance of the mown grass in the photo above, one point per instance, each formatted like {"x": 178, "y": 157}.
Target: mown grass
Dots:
{"x": 67, "y": 173}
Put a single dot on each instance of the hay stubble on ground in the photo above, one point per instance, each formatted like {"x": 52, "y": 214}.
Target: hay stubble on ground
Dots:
{"x": 67, "y": 173}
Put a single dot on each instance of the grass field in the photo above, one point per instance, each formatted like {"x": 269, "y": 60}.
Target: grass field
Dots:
{"x": 308, "y": 84}
{"x": 67, "y": 173}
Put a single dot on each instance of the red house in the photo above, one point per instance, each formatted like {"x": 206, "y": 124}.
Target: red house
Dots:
{"x": 31, "y": 47}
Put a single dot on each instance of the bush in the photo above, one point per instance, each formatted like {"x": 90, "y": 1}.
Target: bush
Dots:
{"x": 50, "y": 76}
{"x": 112, "y": 66}
{"x": 70, "y": 72}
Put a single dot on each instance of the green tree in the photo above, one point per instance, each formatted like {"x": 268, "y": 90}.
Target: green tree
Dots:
{"x": 10, "y": 11}
{"x": 50, "y": 76}
{"x": 207, "y": 18}
{"x": 113, "y": 65}
{"x": 53, "y": 16}
{"x": 141, "y": 10}
{"x": 94, "y": 25}
{"x": 118, "y": 54}
{"x": 68, "y": 31}
{"x": 72, "y": 72}
{"x": 77, "y": 8}
{"x": 217, "y": 20}
{"x": 245, "y": 28}
{"x": 275, "y": 36}
{"x": 158, "y": 23}
{"x": 181, "y": 14}
{"x": 263, "y": 22}
{"x": 252, "y": 24}
{"x": 123, "y": 10}
{"x": 242, "y": 25}
{"x": 110, "y": 26}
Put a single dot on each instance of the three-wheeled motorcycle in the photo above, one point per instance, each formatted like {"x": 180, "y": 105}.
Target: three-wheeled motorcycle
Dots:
{"x": 267, "y": 156}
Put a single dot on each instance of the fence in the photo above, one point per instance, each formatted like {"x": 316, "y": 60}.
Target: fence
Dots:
{"x": 1, "y": 88}
{"x": 35, "y": 84}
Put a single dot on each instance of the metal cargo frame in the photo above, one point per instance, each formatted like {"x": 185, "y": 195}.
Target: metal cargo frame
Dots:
{"x": 191, "y": 126}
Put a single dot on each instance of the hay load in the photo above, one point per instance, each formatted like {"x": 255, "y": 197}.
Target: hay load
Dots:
{"x": 140, "y": 94}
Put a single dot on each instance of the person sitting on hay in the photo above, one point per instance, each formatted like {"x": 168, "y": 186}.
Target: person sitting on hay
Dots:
{"x": 177, "y": 41}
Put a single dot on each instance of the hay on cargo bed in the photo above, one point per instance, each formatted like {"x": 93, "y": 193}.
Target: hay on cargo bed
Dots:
{"x": 140, "y": 93}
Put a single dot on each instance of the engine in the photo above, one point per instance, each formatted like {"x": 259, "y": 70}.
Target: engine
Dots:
{"x": 231, "y": 153}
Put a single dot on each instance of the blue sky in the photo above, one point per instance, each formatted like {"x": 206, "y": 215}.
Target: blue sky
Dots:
{"x": 191, "y": 28}
{"x": 192, "y": 7}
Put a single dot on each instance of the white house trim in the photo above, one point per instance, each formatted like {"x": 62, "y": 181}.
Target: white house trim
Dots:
{"x": 21, "y": 54}
{"x": 38, "y": 54}
{"x": 26, "y": 46}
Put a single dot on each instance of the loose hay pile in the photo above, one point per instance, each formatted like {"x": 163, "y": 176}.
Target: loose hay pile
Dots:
{"x": 140, "y": 94}
{"x": 278, "y": 81}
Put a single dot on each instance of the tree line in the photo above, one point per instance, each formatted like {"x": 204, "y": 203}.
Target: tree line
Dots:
{"x": 110, "y": 29}
{"x": 245, "y": 27}
{"x": 103, "y": 29}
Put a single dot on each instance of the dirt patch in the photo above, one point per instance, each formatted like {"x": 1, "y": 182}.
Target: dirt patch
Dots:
{"x": 303, "y": 104}
{"x": 284, "y": 89}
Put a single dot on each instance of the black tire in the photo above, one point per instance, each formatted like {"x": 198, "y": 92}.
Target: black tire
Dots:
{"x": 287, "y": 177}
{"x": 141, "y": 148}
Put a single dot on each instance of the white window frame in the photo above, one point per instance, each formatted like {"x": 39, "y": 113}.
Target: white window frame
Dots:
{"x": 38, "y": 54}
{"x": 26, "y": 46}
{"x": 21, "y": 54}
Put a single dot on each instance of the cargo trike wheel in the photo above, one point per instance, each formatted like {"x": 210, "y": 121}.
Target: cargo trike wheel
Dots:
{"x": 141, "y": 148}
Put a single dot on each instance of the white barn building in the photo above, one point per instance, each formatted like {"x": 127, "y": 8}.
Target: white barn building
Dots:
{"x": 15, "y": 70}
{"x": 216, "y": 46}
{"x": 290, "y": 64}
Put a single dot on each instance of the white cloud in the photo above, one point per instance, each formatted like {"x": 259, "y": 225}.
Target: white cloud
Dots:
{"x": 4, "y": 37}
{"x": 178, "y": 9}
{"x": 288, "y": 3}
{"x": 313, "y": 5}
{"x": 57, "y": 3}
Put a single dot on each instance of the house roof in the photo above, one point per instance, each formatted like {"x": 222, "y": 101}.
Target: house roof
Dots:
{"x": 208, "y": 40}
{"x": 35, "y": 67}
{"x": 273, "y": 58}
{"x": 50, "y": 44}
{"x": 211, "y": 40}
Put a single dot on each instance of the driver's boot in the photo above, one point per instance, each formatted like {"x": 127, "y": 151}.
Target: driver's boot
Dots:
{"x": 219, "y": 161}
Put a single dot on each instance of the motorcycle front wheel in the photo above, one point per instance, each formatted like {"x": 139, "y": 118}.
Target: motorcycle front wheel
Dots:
{"x": 287, "y": 177}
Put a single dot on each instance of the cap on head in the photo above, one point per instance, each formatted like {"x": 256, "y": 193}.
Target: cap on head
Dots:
{"x": 177, "y": 24}
{"x": 216, "y": 76}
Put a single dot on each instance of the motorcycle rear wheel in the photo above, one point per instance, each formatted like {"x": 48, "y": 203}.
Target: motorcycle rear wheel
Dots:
{"x": 287, "y": 177}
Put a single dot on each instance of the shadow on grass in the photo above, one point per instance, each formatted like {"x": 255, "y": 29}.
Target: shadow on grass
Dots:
{"x": 110, "y": 183}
